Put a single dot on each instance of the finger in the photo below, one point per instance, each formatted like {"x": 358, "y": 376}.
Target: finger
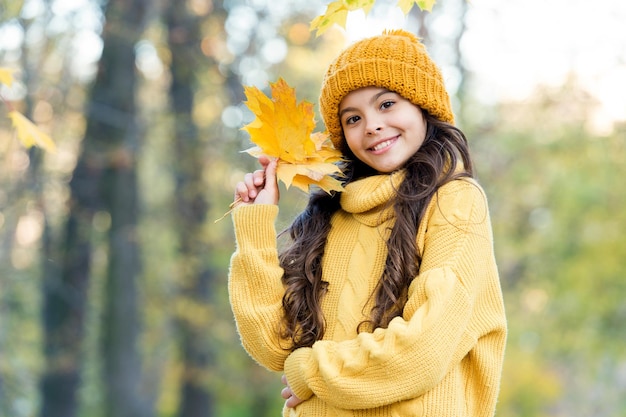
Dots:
{"x": 264, "y": 160}
{"x": 286, "y": 393}
{"x": 283, "y": 379}
{"x": 293, "y": 401}
{"x": 270, "y": 173}
{"x": 258, "y": 177}
{"x": 289, "y": 402}
{"x": 241, "y": 192}
{"x": 248, "y": 180}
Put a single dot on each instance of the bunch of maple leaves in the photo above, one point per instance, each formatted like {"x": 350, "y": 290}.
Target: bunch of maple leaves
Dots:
{"x": 283, "y": 130}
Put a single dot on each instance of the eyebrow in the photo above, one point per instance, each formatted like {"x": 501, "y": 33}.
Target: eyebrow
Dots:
{"x": 372, "y": 100}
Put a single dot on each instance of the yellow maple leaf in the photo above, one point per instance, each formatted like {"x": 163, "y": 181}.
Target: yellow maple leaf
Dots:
{"x": 303, "y": 175}
{"x": 283, "y": 129}
{"x": 407, "y": 5}
{"x": 6, "y": 76}
{"x": 29, "y": 134}
{"x": 337, "y": 12}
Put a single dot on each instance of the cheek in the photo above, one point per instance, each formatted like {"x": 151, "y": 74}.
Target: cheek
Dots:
{"x": 351, "y": 141}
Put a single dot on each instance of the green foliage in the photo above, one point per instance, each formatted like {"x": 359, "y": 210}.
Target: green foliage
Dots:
{"x": 529, "y": 385}
{"x": 557, "y": 202}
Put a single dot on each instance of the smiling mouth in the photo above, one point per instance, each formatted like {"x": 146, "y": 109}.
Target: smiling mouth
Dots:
{"x": 383, "y": 145}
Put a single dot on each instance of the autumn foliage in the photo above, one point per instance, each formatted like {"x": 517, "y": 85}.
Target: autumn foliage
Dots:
{"x": 337, "y": 11}
{"x": 283, "y": 130}
{"x": 27, "y": 132}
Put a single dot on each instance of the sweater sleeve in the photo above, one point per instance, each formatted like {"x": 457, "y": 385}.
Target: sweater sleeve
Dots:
{"x": 453, "y": 302}
{"x": 254, "y": 285}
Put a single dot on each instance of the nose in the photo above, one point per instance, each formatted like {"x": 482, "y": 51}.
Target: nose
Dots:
{"x": 374, "y": 122}
{"x": 373, "y": 128}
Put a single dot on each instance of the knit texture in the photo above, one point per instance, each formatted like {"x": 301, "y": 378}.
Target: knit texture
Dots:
{"x": 442, "y": 358}
{"x": 395, "y": 60}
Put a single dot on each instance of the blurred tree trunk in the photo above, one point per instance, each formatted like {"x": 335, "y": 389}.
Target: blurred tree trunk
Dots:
{"x": 193, "y": 273}
{"x": 121, "y": 142}
{"x": 104, "y": 179}
{"x": 65, "y": 279}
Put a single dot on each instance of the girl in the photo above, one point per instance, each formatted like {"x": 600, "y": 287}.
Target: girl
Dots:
{"x": 386, "y": 301}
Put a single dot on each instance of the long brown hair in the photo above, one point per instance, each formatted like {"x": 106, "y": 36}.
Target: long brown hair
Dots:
{"x": 437, "y": 162}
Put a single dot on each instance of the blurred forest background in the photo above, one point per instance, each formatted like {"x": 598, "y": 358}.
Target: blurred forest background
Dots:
{"x": 113, "y": 273}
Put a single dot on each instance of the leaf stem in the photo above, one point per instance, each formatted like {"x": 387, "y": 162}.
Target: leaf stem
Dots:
{"x": 231, "y": 207}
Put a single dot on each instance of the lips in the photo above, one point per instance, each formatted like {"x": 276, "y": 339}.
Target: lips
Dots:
{"x": 382, "y": 145}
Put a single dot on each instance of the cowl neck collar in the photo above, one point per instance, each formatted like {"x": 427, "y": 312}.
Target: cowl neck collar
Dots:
{"x": 369, "y": 199}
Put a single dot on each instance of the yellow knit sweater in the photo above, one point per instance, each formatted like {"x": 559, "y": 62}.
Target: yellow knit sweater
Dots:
{"x": 443, "y": 357}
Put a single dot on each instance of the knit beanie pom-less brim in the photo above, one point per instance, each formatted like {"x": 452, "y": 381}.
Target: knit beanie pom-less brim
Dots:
{"x": 395, "y": 60}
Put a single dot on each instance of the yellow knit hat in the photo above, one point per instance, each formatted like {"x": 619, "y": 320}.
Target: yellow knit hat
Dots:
{"x": 395, "y": 60}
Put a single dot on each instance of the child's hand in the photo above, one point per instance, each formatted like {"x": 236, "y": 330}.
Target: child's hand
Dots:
{"x": 288, "y": 394}
{"x": 260, "y": 186}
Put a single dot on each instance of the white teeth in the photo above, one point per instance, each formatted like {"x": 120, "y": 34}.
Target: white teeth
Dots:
{"x": 382, "y": 145}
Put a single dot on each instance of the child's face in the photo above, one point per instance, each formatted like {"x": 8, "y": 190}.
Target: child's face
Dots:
{"x": 381, "y": 128}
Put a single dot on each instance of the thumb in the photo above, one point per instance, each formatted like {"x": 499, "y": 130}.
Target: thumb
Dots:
{"x": 270, "y": 174}
{"x": 270, "y": 193}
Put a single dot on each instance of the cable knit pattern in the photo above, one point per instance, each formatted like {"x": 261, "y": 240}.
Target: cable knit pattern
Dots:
{"x": 443, "y": 357}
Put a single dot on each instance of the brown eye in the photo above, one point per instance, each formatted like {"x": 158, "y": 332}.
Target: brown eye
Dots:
{"x": 352, "y": 119}
{"x": 386, "y": 104}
